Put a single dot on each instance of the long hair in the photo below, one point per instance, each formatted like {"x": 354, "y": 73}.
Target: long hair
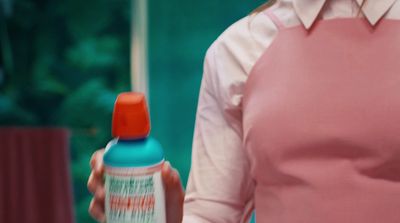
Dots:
{"x": 269, "y": 3}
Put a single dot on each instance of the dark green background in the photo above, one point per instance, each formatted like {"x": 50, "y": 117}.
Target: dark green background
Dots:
{"x": 64, "y": 62}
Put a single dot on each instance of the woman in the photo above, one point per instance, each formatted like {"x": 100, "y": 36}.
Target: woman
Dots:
{"x": 298, "y": 117}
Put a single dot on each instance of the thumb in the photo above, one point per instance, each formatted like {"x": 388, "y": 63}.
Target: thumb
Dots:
{"x": 166, "y": 172}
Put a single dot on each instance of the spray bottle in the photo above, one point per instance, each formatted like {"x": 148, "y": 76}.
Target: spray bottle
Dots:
{"x": 133, "y": 162}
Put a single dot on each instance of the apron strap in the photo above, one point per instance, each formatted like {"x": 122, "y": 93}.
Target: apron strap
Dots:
{"x": 274, "y": 19}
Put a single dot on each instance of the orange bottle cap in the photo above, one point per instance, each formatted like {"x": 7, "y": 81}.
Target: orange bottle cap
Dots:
{"x": 130, "y": 117}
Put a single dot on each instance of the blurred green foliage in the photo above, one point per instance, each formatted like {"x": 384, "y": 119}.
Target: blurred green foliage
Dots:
{"x": 62, "y": 63}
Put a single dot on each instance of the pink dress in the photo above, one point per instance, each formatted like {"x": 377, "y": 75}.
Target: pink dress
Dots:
{"x": 298, "y": 117}
{"x": 321, "y": 123}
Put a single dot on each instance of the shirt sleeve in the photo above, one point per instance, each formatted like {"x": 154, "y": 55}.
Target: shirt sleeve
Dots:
{"x": 219, "y": 188}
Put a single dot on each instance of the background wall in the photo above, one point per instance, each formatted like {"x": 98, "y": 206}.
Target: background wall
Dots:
{"x": 62, "y": 63}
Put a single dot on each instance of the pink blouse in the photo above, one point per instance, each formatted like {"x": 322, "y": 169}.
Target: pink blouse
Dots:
{"x": 227, "y": 181}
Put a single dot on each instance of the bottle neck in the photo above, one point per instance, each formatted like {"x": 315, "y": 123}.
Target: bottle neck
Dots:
{"x": 138, "y": 140}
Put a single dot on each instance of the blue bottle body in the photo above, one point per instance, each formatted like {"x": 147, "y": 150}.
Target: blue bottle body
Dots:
{"x": 133, "y": 183}
{"x": 133, "y": 153}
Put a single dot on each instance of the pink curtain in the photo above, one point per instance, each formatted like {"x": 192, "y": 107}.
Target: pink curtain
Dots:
{"x": 35, "y": 182}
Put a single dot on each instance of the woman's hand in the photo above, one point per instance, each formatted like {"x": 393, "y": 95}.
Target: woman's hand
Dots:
{"x": 174, "y": 193}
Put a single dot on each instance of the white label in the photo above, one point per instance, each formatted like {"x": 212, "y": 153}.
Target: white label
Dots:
{"x": 134, "y": 195}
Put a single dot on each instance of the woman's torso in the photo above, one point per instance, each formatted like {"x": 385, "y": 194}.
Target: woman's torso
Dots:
{"x": 319, "y": 112}
{"x": 321, "y": 122}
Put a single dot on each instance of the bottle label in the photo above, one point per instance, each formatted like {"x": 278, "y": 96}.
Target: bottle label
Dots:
{"x": 134, "y": 195}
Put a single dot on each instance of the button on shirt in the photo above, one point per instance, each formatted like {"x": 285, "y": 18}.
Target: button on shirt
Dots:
{"x": 221, "y": 187}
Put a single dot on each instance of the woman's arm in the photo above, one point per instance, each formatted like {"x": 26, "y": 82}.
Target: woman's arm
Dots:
{"x": 220, "y": 188}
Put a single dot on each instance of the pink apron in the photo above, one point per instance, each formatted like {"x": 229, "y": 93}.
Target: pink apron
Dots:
{"x": 321, "y": 121}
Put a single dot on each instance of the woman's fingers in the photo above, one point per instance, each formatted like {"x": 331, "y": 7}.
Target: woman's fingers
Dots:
{"x": 92, "y": 183}
{"x": 96, "y": 210}
{"x": 100, "y": 195}
{"x": 174, "y": 193}
{"x": 96, "y": 162}
{"x": 176, "y": 180}
{"x": 96, "y": 176}
{"x": 96, "y": 186}
{"x": 171, "y": 177}
{"x": 96, "y": 207}
{"x": 166, "y": 172}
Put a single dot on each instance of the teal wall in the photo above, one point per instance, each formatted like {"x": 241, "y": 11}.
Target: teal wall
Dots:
{"x": 180, "y": 33}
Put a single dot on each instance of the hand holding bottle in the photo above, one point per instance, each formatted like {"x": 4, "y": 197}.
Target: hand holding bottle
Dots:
{"x": 173, "y": 190}
{"x": 139, "y": 185}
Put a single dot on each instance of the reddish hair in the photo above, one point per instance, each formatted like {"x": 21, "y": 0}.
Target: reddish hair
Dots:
{"x": 264, "y": 6}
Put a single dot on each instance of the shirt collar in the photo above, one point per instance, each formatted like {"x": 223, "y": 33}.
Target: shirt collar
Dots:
{"x": 308, "y": 10}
